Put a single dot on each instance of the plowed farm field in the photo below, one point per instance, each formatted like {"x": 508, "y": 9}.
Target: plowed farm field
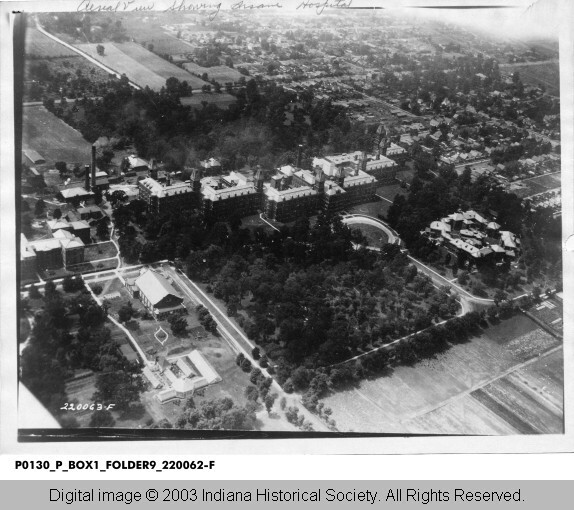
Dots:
{"x": 141, "y": 66}
{"x": 507, "y": 381}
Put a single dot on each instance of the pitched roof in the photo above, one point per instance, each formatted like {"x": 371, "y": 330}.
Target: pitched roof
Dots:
{"x": 75, "y": 192}
{"x": 154, "y": 286}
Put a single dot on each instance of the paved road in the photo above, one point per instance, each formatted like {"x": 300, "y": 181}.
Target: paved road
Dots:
{"x": 358, "y": 219}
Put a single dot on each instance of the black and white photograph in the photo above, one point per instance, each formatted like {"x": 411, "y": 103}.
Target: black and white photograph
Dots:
{"x": 289, "y": 219}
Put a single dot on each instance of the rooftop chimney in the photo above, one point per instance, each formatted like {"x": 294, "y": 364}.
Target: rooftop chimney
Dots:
{"x": 340, "y": 177}
{"x": 93, "y": 165}
{"x": 299, "y": 155}
{"x": 259, "y": 178}
{"x": 363, "y": 162}
{"x": 87, "y": 177}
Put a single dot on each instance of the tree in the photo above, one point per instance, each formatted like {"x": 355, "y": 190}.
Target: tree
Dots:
{"x": 61, "y": 167}
{"x": 178, "y": 325}
{"x": 102, "y": 418}
{"x": 499, "y": 296}
{"x": 40, "y": 207}
{"x": 33, "y": 292}
{"x": 269, "y": 401}
{"x": 57, "y": 214}
{"x": 119, "y": 388}
{"x": 256, "y": 353}
{"x": 100, "y": 49}
{"x": 72, "y": 284}
{"x": 246, "y": 365}
{"x": 252, "y": 393}
{"x": 49, "y": 289}
{"x": 463, "y": 277}
{"x": 102, "y": 230}
{"x": 255, "y": 375}
{"x": 126, "y": 312}
{"x": 239, "y": 359}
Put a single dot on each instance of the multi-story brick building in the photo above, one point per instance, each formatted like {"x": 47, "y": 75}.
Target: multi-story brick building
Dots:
{"x": 336, "y": 183}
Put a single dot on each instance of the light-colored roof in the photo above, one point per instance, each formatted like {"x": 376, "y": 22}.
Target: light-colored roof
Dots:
{"x": 33, "y": 156}
{"x": 382, "y": 162}
{"x": 63, "y": 234}
{"x": 79, "y": 225}
{"x": 150, "y": 376}
{"x": 72, "y": 243}
{"x": 89, "y": 209}
{"x": 26, "y": 251}
{"x": 165, "y": 191}
{"x": 288, "y": 194}
{"x": 154, "y": 286}
{"x": 46, "y": 244}
{"x": 136, "y": 162}
{"x": 211, "y": 162}
{"x": 221, "y": 194}
{"x": 75, "y": 192}
{"x": 185, "y": 368}
{"x": 58, "y": 224}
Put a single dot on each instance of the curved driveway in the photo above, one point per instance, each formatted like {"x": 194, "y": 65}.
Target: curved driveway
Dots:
{"x": 363, "y": 219}
{"x": 468, "y": 301}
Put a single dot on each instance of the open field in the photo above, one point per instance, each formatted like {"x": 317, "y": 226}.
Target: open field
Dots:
{"x": 141, "y": 66}
{"x": 37, "y": 45}
{"x": 221, "y": 74}
{"x": 158, "y": 65}
{"x": 223, "y": 100}
{"x": 506, "y": 367}
{"x": 52, "y": 138}
{"x": 375, "y": 236}
{"x": 545, "y": 74}
{"x": 535, "y": 185}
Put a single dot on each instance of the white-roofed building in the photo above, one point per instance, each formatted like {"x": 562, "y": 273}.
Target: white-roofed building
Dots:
{"x": 157, "y": 294}
{"x": 185, "y": 375}
{"x": 27, "y": 259}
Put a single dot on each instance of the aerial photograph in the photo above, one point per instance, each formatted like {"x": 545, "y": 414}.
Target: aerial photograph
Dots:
{"x": 321, "y": 219}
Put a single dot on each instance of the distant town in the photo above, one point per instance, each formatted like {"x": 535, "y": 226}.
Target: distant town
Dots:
{"x": 269, "y": 222}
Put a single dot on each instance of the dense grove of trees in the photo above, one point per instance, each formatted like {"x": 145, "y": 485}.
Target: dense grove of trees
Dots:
{"x": 69, "y": 333}
{"x": 250, "y": 131}
{"x": 539, "y": 231}
{"x": 217, "y": 414}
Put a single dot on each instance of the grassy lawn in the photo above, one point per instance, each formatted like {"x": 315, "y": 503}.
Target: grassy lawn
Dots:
{"x": 221, "y": 74}
{"x": 375, "y": 236}
{"x": 222, "y": 99}
{"x": 52, "y": 138}
{"x": 39, "y": 45}
{"x": 253, "y": 222}
{"x": 100, "y": 251}
{"x": 89, "y": 267}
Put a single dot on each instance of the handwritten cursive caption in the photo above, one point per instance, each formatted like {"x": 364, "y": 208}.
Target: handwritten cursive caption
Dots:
{"x": 212, "y": 9}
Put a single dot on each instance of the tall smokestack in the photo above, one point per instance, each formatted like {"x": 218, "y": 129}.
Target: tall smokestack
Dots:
{"x": 299, "y": 155}
{"x": 93, "y": 165}
{"x": 87, "y": 177}
{"x": 363, "y": 162}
